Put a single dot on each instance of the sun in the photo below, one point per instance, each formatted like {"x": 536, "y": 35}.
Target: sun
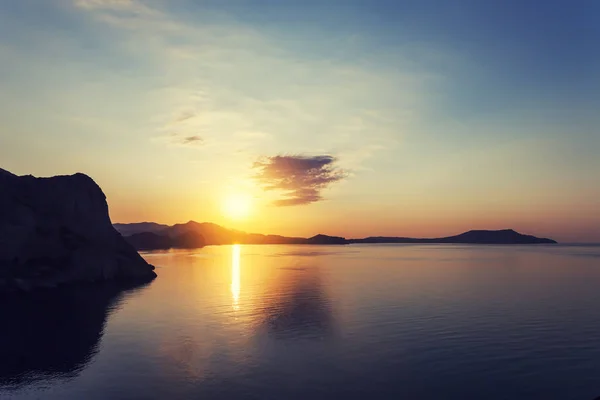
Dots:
{"x": 237, "y": 206}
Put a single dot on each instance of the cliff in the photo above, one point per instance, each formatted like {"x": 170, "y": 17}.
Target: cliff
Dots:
{"x": 57, "y": 230}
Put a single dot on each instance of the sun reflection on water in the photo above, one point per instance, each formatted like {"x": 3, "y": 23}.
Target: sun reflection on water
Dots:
{"x": 235, "y": 275}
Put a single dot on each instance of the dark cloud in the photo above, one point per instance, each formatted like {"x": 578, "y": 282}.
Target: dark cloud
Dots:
{"x": 191, "y": 139}
{"x": 300, "y": 178}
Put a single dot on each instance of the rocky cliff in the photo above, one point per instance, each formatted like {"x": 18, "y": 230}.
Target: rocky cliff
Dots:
{"x": 57, "y": 230}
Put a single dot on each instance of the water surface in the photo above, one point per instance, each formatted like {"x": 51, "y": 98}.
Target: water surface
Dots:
{"x": 319, "y": 322}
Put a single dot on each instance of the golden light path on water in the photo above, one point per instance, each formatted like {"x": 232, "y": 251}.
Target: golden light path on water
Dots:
{"x": 235, "y": 275}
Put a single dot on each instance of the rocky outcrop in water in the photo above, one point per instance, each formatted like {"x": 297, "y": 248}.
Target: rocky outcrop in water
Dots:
{"x": 56, "y": 231}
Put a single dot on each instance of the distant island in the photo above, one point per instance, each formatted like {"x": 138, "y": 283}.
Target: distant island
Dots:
{"x": 153, "y": 236}
{"x": 504, "y": 236}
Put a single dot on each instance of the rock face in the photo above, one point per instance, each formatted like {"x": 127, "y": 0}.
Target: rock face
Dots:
{"x": 57, "y": 230}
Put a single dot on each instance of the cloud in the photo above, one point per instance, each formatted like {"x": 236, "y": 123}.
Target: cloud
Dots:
{"x": 212, "y": 70}
{"x": 191, "y": 139}
{"x": 176, "y": 139}
{"x": 300, "y": 178}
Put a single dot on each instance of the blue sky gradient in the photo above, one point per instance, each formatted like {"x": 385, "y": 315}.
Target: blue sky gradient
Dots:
{"x": 444, "y": 116}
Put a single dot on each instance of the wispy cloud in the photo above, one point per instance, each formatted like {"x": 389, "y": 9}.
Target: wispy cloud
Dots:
{"x": 214, "y": 83}
{"x": 244, "y": 91}
{"x": 195, "y": 139}
{"x": 300, "y": 178}
{"x": 176, "y": 139}
{"x": 184, "y": 116}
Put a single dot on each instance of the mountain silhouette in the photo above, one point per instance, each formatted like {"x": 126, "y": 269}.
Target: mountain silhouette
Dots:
{"x": 504, "y": 236}
{"x": 194, "y": 234}
{"x": 154, "y": 241}
{"x": 130, "y": 229}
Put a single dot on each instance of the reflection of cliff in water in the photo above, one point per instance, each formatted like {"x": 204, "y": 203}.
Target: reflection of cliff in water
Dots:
{"x": 53, "y": 334}
{"x": 301, "y": 307}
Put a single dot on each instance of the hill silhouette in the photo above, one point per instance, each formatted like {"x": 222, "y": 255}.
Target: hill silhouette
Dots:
{"x": 504, "y": 236}
{"x": 130, "y": 229}
{"x": 195, "y": 234}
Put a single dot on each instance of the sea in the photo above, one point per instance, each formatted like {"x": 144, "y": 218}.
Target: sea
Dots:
{"x": 318, "y": 322}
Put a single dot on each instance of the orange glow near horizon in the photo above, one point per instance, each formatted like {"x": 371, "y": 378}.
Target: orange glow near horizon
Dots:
{"x": 379, "y": 217}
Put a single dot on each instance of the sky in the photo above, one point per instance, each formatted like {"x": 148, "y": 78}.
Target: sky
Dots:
{"x": 354, "y": 118}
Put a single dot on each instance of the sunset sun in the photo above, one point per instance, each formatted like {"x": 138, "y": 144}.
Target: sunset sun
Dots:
{"x": 237, "y": 206}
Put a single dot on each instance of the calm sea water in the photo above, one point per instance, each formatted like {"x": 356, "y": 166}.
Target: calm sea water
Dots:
{"x": 322, "y": 322}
